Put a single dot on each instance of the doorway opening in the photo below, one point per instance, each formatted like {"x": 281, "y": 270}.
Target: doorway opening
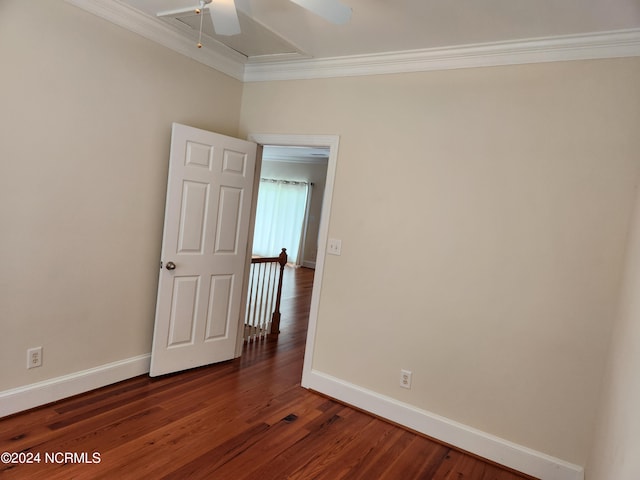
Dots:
{"x": 327, "y": 147}
{"x": 285, "y": 233}
{"x": 290, "y": 193}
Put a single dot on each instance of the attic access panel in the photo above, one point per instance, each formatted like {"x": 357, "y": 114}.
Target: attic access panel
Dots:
{"x": 256, "y": 42}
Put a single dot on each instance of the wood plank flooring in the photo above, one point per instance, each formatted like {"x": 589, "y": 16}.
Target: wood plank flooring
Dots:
{"x": 243, "y": 419}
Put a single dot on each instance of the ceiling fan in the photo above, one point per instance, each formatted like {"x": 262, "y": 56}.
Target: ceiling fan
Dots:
{"x": 224, "y": 17}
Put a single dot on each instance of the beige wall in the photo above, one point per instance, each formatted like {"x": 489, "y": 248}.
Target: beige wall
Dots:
{"x": 85, "y": 123}
{"x": 483, "y": 215}
{"x": 614, "y": 452}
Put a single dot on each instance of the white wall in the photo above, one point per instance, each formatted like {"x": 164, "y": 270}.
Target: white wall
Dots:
{"x": 85, "y": 123}
{"x": 614, "y": 452}
{"x": 483, "y": 216}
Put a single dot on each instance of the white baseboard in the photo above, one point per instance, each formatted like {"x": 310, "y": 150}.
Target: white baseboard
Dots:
{"x": 480, "y": 443}
{"x": 41, "y": 393}
{"x": 309, "y": 264}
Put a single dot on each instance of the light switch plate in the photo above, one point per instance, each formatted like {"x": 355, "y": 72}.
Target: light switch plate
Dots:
{"x": 334, "y": 246}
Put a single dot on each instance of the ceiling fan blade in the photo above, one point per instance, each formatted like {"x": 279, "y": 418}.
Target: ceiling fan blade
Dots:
{"x": 224, "y": 17}
{"x": 332, "y": 10}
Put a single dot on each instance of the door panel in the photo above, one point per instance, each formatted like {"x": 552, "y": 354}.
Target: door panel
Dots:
{"x": 219, "y": 303}
{"x": 230, "y": 214}
{"x": 205, "y": 236}
{"x": 195, "y": 198}
{"x": 183, "y": 311}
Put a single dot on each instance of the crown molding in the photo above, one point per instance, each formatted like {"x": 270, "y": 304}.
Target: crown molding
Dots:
{"x": 621, "y": 43}
{"x": 213, "y": 54}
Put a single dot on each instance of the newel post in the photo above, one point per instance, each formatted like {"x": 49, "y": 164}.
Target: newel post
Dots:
{"x": 275, "y": 318}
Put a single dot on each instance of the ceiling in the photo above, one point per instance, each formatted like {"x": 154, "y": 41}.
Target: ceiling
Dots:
{"x": 279, "y": 33}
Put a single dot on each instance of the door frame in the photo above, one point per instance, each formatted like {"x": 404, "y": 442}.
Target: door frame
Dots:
{"x": 292, "y": 140}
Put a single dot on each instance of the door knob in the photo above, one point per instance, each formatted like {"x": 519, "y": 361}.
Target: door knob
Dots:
{"x": 170, "y": 266}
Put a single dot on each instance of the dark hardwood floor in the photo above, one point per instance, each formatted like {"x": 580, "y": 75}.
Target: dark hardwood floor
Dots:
{"x": 243, "y": 419}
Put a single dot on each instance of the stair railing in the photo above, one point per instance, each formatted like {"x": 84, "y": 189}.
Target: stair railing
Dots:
{"x": 263, "y": 300}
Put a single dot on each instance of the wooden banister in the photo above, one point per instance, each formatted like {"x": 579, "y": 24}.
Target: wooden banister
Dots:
{"x": 275, "y": 318}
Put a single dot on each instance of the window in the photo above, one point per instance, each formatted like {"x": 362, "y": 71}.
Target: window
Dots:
{"x": 280, "y": 218}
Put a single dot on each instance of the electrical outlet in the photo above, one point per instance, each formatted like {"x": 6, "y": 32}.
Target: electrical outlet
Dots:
{"x": 34, "y": 357}
{"x": 405, "y": 378}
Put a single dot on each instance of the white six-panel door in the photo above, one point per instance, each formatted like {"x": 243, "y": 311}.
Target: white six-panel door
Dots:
{"x": 204, "y": 249}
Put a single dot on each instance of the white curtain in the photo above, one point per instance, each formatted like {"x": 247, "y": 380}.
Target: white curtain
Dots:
{"x": 280, "y": 218}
